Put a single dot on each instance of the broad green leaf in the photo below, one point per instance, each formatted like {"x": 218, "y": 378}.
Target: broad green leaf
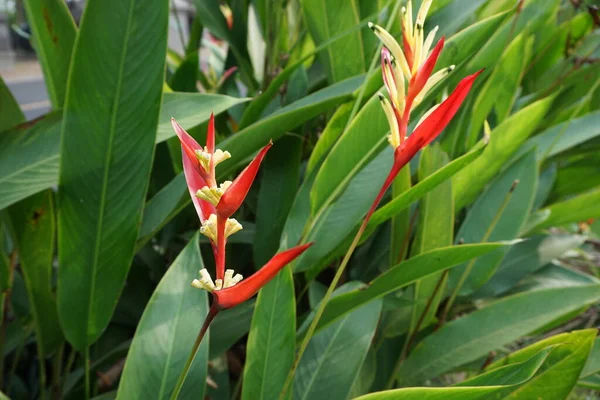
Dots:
{"x": 511, "y": 373}
{"x": 229, "y": 326}
{"x": 578, "y": 208}
{"x": 107, "y": 140}
{"x": 333, "y": 130}
{"x": 3, "y": 396}
{"x": 531, "y": 17}
{"x": 526, "y": 257}
{"x": 401, "y": 275}
{"x": 504, "y": 142}
{"x": 546, "y": 181}
{"x": 278, "y": 187}
{"x": 340, "y": 218}
{"x": 166, "y": 334}
{"x": 10, "y": 112}
{"x": 499, "y": 213}
{"x": 29, "y": 159}
{"x": 476, "y": 334}
{"x": 54, "y": 33}
{"x": 325, "y": 19}
{"x": 29, "y": 154}
{"x": 435, "y": 230}
{"x": 335, "y": 355}
{"x": 454, "y": 15}
{"x": 575, "y": 177}
{"x": 32, "y": 226}
{"x": 250, "y": 139}
{"x": 591, "y": 382}
{"x": 487, "y": 385}
{"x": 190, "y": 110}
{"x": 556, "y": 378}
{"x": 563, "y": 136}
{"x": 350, "y": 154}
{"x": 271, "y": 342}
{"x": 500, "y": 90}
{"x": 592, "y": 364}
{"x": 404, "y": 200}
{"x": 462, "y": 45}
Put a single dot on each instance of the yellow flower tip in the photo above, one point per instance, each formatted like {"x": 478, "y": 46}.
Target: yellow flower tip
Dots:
{"x": 218, "y": 284}
{"x": 209, "y": 228}
{"x": 205, "y": 282}
{"x": 212, "y": 194}
{"x": 371, "y": 25}
{"x": 219, "y": 156}
{"x": 230, "y": 280}
{"x": 233, "y": 226}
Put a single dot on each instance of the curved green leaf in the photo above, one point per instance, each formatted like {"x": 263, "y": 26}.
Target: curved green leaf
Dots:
{"x": 54, "y": 33}
{"x": 108, "y": 133}
{"x": 499, "y": 213}
{"x": 403, "y": 274}
{"x": 271, "y": 342}
{"x": 504, "y": 142}
{"x": 500, "y": 323}
{"x": 10, "y": 112}
{"x": 166, "y": 333}
{"x": 32, "y": 226}
{"x": 334, "y": 356}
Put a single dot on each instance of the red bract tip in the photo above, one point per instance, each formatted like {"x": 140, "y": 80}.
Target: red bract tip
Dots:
{"x": 236, "y": 193}
{"x": 231, "y": 297}
{"x": 210, "y": 134}
{"x": 418, "y": 81}
{"x": 188, "y": 143}
{"x": 435, "y": 123}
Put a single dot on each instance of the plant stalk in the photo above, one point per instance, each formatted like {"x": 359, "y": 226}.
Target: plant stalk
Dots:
{"x": 313, "y": 326}
{"x": 212, "y": 313}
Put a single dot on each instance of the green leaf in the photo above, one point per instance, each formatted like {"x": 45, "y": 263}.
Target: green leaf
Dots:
{"x": 499, "y": 213}
{"x": 526, "y": 257}
{"x": 340, "y": 218}
{"x": 484, "y": 386}
{"x": 229, "y": 326}
{"x": 271, "y": 342}
{"x": 3, "y": 396}
{"x": 10, "y": 112}
{"x": 54, "y": 33}
{"x": 510, "y": 373}
{"x": 592, "y": 364}
{"x": 32, "y": 226}
{"x": 405, "y": 199}
{"x": 29, "y": 154}
{"x": 166, "y": 333}
{"x": 563, "y": 136}
{"x": 454, "y": 15}
{"x": 435, "y": 230}
{"x": 5, "y": 285}
{"x": 500, "y": 90}
{"x": 29, "y": 159}
{"x": 578, "y": 208}
{"x": 278, "y": 187}
{"x": 111, "y": 114}
{"x": 475, "y": 335}
{"x": 190, "y": 110}
{"x": 504, "y": 142}
{"x": 558, "y": 375}
{"x": 325, "y": 19}
{"x": 350, "y": 154}
{"x": 401, "y": 275}
{"x": 185, "y": 77}
{"x": 334, "y": 356}
{"x": 333, "y": 130}
{"x": 591, "y": 382}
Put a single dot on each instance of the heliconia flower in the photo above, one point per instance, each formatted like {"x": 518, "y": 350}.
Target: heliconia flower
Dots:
{"x": 239, "y": 292}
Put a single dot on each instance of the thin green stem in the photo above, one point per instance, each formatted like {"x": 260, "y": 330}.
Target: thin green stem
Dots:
{"x": 469, "y": 267}
{"x": 212, "y": 313}
{"x": 87, "y": 372}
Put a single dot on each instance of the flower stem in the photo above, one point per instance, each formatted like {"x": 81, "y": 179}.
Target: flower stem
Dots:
{"x": 212, "y": 313}
{"x": 313, "y": 326}
{"x": 220, "y": 254}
